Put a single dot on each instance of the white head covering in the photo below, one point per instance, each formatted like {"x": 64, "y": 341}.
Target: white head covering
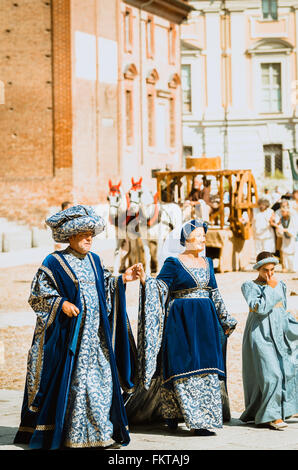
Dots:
{"x": 173, "y": 246}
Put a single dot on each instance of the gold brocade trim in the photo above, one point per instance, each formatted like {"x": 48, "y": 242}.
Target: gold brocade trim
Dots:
{"x": 53, "y": 312}
{"x": 45, "y": 427}
{"x": 193, "y": 372}
{"x": 39, "y": 427}
{"x": 50, "y": 274}
{"x": 69, "y": 443}
{"x": 26, "y": 429}
{"x": 32, "y": 394}
{"x": 190, "y": 289}
{"x": 66, "y": 269}
{"x": 35, "y": 409}
{"x": 185, "y": 294}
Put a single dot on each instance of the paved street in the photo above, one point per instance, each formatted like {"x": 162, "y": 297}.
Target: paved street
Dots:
{"x": 16, "y": 327}
{"x": 234, "y": 435}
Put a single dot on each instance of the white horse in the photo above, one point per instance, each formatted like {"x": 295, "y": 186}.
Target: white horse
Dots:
{"x": 127, "y": 251}
{"x": 156, "y": 221}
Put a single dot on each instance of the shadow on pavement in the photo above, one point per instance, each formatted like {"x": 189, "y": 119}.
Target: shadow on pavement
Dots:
{"x": 234, "y": 422}
{"x": 157, "y": 429}
{"x": 7, "y": 435}
{"x": 161, "y": 428}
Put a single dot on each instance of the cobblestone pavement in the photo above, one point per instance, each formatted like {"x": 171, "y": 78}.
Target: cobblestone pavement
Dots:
{"x": 17, "y": 322}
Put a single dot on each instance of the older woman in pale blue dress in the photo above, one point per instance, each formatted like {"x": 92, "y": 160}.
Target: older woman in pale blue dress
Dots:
{"x": 270, "y": 350}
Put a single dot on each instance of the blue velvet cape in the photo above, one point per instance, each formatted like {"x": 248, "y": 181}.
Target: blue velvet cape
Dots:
{"x": 42, "y": 421}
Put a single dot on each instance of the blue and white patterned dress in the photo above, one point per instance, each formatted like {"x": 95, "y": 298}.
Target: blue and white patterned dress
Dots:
{"x": 196, "y": 399}
{"x": 87, "y": 422}
{"x": 182, "y": 319}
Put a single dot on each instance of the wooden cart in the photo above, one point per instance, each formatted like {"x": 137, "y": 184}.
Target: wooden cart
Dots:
{"x": 230, "y": 220}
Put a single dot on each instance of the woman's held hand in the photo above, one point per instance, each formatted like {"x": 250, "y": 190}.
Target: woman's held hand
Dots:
{"x": 141, "y": 273}
{"x": 134, "y": 273}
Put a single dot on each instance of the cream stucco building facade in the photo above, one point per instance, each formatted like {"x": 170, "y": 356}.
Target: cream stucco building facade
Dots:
{"x": 239, "y": 80}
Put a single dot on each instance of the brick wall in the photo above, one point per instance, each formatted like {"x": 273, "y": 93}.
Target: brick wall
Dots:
{"x": 26, "y": 117}
{"x": 61, "y": 126}
{"x": 32, "y": 175}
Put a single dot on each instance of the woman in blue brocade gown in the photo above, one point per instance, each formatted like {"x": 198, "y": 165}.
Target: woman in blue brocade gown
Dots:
{"x": 182, "y": 331}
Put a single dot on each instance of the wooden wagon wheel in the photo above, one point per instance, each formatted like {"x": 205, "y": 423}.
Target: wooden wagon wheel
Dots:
{"x": 244, "y": 199}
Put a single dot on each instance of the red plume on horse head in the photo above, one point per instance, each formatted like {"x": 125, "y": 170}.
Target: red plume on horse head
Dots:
{"x": 114, "y": 188}
{"x": 136, "y": 184}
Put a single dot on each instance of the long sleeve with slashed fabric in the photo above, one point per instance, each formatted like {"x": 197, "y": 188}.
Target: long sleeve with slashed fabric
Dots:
{"x": 43, "y": 294}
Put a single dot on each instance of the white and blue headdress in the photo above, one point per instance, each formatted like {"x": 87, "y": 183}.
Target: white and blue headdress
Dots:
{"x": 188, "y": 227}
{"x": 74, "y": 220}
{"x": 174, "y": 243}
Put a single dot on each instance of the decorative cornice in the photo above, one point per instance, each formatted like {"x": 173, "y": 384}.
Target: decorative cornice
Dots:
{"x": 130, "y": 72}
{"x": 152, "y": 77}
{"x": 175, "y": 11}
{"x": 174, "y": 81}
{"x": 163, "y": 94}
{"x": 190, "y": 44}
{"x": 277, "y": 46}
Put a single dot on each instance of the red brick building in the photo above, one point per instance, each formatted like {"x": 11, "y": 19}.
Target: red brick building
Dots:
{"x": 85, "y": 82}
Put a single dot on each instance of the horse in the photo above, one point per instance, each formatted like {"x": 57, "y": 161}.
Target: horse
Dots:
{"x": 127, "y": 245}
{"x": 155, "y": 221}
